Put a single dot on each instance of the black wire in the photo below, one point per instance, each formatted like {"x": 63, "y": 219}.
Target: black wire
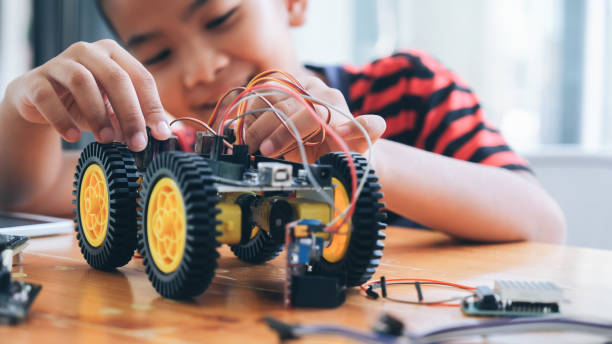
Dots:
{"x": 383, "y": 286}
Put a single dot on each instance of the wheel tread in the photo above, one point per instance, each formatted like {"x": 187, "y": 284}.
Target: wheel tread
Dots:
{"x": 366, "y": 243}
{"x": 119, "y": 245}
{"x": 197, "y": 268}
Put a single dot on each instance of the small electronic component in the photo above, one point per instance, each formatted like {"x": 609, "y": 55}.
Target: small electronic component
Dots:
{"x": 275, "y": 174}
{"x": 13, "y": 246}
{"x": 16, "y": 297}
{"x": 305, "y": 243}
{"x": 204, "y": 142}
{"x": 14, "y": 242}
{"x": 515, "y": 298}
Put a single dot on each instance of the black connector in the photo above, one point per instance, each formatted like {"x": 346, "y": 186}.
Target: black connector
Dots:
{"x": 229, "y": 134}
{"x": 371, "y": 293}
{"x": 383, "y": 286}
{"x": 315, "y": 291}
{"x": 417, "y": 285}
{"x": 285, "y": 331}
{"x": 486, "y": 298}
{"x": 389, "y": 325}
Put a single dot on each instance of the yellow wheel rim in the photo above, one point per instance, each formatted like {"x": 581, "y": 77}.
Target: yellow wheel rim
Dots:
{"x": 340, "y": 240}
{"x": 166, "y": 225}
{"x": 93, "y": 205}
{"x": 254, "y": 232}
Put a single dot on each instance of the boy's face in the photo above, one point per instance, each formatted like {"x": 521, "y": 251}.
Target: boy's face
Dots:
{"x": 198, "y": 49}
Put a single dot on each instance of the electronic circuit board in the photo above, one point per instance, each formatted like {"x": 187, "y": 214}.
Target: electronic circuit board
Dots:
{"x": 515, "y": 299}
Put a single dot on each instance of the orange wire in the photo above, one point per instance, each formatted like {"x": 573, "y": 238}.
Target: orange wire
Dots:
{"x": 294, "y": 85}
{"x": 213, "y": 116}
{"x": 441, "y": 304}
{"x": 291, "y": 83}
{"x": 425, "y": 280}
{"x": 450, "y": 284}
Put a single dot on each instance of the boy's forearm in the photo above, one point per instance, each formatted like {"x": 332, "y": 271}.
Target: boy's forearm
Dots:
{"x": 463, "y": 199}
{"x": 31, "y": 156}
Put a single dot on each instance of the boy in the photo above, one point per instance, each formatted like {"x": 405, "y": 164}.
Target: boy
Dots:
{"x": 181, "y": 56}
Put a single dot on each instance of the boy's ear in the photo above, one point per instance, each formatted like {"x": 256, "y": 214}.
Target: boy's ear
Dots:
{"x": 297, "y": 12}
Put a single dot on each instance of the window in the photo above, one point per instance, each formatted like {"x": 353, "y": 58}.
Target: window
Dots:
{"x": 15, "y": 53}
{"x": 542, "y": 68}
{"x": 59, "y": 23}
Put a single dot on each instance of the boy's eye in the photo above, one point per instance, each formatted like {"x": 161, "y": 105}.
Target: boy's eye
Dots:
{"x": 164, "y": 54}
{"x": 217, "y": 22}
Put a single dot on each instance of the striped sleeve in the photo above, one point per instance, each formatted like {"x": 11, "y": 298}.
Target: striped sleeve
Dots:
{"x": 427, "y": 106}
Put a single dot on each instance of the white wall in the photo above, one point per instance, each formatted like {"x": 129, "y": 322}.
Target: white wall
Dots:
{"x": 580, "y": 181}
{"x": 327, "y": 37}
{"x": 15, "y": 54}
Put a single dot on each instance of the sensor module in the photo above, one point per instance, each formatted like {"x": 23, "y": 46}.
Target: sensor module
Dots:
{"x": 515, "y": 298}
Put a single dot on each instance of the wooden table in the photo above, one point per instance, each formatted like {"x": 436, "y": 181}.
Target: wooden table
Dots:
{"x": 80, "y": 304}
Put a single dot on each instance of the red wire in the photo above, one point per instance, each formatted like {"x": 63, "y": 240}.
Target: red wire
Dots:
{"x": 443, "y": 305}
{"x": 333, "y": 134}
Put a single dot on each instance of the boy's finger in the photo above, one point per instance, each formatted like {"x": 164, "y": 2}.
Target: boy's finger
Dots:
{"x": 113, "y": 118}
{"x": 359, "y": 145}
{"x": 282, "y": 137}
{"x": 374, "y": 125}
{"x": 266, "y": 101}
{"x": 145, "y": 87}
{"x": 81, "y": 84}
{"x": 46, "y": 101}
{"x": 267, "y": 123}
{"x": 118, "y": 85}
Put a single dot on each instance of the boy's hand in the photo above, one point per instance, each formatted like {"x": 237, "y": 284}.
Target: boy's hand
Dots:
{"x": 92, "y": 86}
{"x": 271, "y": 137}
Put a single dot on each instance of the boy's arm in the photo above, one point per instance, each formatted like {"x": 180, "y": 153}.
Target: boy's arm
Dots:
{"x": 463, "y": 199}
{"x": 36, "y": 176}
{"x": 98, "y": 87}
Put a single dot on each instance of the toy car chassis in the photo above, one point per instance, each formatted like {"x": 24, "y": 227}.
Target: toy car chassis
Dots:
{"x": 176, "y": 208}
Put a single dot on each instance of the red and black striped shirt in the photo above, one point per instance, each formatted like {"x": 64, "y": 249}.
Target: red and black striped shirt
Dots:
{"x": 425, "y": 106}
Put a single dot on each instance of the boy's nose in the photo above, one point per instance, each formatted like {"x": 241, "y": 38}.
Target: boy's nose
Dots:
{"x": 202, "y": 65}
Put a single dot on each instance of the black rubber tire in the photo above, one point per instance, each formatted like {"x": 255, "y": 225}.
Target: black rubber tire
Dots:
{"x": 197, "y": 267}
{"x": 258, "y": 250}
{"x": 121, "y": 175}
{"x": 366, "y": 243}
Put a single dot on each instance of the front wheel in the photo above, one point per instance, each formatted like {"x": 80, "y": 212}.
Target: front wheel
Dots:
{"x": 178, "y": 225}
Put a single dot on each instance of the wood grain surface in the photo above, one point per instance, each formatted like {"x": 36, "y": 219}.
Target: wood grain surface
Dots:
{"x": 81, "y": 305}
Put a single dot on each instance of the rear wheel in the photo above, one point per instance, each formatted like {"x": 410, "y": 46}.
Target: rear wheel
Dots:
{"x": 178, "y": 225}
{"x": 105, "y": 190}
{"x": 354, "y": 251}
{"x": 259, "y": 249}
